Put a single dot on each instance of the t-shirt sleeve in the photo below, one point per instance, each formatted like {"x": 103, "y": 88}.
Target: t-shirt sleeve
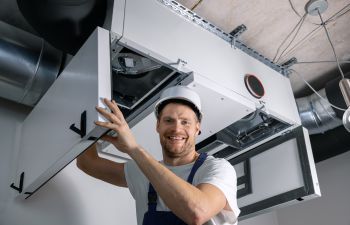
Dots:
{"x": 135, "y": 179}
{"x": 220, "y": 173}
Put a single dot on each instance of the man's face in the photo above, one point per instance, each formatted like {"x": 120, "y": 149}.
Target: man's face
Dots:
{"x": 177, "y": 127}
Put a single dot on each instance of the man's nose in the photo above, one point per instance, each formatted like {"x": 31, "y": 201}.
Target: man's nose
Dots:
{"x": 177, "y": 125}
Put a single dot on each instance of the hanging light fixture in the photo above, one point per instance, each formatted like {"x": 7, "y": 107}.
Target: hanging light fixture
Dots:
{"x": 317, "y": 7}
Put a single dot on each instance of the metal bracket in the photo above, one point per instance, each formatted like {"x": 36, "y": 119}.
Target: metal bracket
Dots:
{"x": 289, "y": 63}
{"x": 238, "y": 31}
{"x": 286, "y": 65}
{"x": 82, "y": 130}
{"x": 193, "y": 17}
{"x": 20, "y": 187}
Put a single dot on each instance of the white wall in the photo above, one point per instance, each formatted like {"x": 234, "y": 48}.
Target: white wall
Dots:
{"x": 334, "y": 205}
{"x": 70, "y": 198}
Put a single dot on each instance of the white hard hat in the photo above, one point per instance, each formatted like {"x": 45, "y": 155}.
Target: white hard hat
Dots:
{"x": 181, "y": 93}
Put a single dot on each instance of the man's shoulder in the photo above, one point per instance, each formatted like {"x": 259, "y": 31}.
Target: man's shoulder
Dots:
{"x": 212, "y": 163}
{"x": 211, "y": 160}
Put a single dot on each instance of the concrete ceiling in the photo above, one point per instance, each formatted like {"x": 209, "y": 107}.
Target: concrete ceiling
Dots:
{"x": 268, "y": 23}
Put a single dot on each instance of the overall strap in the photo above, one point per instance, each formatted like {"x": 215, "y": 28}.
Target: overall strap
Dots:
{"x": 152, "y": 198}
{"x": 202, "y": 157}
{"x": 152, "y": 194}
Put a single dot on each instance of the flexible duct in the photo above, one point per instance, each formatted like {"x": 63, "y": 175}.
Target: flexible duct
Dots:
{"x": 28, "y": 65}
{"x": 317, "y": 114}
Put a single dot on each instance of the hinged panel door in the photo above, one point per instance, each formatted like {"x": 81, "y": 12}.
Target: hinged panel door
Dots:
{"x": 279, "y": 172}
{"x": 62, "y": 125}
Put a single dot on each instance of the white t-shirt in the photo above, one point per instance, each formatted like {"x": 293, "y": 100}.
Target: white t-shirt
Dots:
{"x": 215, "y": 171}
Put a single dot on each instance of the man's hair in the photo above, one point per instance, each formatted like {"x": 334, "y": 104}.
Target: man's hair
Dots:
{"x": 182, "y": 102}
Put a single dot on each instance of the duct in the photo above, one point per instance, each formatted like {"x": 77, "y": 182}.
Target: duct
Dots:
{"x": 331, "y": 143}
{"x": 317, "y": 115}
{"x": 28, "y": 65}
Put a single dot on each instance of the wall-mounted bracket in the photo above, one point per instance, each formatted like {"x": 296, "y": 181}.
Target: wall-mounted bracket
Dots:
{"x": 20, "y": 187}
{"x": 82, "y": 130}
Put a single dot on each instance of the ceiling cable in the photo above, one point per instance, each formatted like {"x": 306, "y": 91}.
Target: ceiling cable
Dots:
{"x": 295, "y": 27}
{"x": 309, "y": 85}
{"x": 295, "y": 35}
{"x": 331, "y": 19}
{"x": 292, "y": 6}
{"x": 336, "y": 15}
{"x": 195, "y": 5}
{"x": 296, "y": 12}
{"x": 329, "y": 39}
{"x": 325, "y": 61}
{"x": 301, "y": 41}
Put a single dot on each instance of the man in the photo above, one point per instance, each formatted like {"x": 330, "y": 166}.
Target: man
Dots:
{"x": 184, "y": 188}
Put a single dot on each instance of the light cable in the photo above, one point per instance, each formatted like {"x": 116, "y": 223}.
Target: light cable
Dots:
{"x": 324, "y": 61}
{"x": 309, "y": 85}
{"x": 295, "y": 27}
{"x": 295, "y": 35}
{"x": 329, "y": 39}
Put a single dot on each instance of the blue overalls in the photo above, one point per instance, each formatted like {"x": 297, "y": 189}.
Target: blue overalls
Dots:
{"x": 154, "y": 217}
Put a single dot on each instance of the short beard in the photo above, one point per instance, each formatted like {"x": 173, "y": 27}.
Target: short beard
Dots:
{"x": 185, "y": 149}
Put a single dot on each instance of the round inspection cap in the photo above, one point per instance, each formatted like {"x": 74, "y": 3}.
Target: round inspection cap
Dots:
{"x": 254, "y": 85}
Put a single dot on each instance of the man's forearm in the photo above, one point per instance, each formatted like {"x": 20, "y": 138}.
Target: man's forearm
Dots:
{"x": 187, "y": 201}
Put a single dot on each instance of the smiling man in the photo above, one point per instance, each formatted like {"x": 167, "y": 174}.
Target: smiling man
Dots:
{"x": 186, "y": 187}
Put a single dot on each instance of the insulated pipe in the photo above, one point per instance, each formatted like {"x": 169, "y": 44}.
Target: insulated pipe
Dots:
{"x": 28, "y": 65}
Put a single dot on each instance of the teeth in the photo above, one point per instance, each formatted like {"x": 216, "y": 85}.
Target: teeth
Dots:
{"x": 176, "y": 138}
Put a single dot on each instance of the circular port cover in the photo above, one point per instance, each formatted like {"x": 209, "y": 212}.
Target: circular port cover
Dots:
{"x": 254, "y": 86}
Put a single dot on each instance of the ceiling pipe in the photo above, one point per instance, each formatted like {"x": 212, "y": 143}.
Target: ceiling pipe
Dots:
{"x": 317, "y": 114}
{"x": 28, "y": 65}
{"x": 327, "y": 134}
{"x": 65, "y": 24}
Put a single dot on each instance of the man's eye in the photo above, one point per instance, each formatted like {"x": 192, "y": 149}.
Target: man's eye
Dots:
{"x": 168, "y": 120}
{"x": 185, "y": 122}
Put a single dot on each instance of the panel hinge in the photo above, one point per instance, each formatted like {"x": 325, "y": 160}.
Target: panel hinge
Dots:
{"x": 20, "y": 187}
{"x": 82, "y": 130}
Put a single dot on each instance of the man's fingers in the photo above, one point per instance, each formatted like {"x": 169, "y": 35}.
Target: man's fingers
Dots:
{"x": 110, "y": 116}
{"x": 113, "y": 106}
{"x": 108, "y": 125}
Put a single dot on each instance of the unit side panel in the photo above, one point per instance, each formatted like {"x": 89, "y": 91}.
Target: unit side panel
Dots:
{"x": 46, "y": 135}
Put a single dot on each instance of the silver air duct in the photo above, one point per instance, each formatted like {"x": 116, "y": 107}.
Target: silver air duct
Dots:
{"x": 28, "y": 65}
{"x": 316, "y": 114}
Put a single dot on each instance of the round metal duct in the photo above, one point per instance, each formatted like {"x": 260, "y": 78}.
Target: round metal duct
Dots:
{"x": 28, "y": 65}
{"x": 65, "y": 24}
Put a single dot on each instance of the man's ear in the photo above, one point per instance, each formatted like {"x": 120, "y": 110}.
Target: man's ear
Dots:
{"x": 198, "y": 128}
{"x": 157, "y": 126}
